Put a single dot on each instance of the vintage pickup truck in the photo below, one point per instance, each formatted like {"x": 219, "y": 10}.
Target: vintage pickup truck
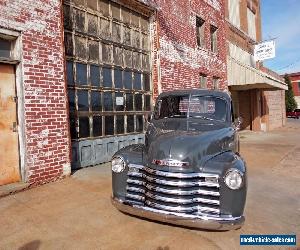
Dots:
{"x": 189, "y": 171}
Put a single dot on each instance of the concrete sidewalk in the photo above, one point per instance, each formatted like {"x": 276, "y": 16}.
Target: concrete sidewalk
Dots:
{"x": 76, "y": 213}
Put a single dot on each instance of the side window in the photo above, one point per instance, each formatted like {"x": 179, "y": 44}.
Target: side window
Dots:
{"x": 213, "y": 39}
{"x": 200, "y": 32}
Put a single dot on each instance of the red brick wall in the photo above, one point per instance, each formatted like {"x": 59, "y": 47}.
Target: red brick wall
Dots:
{"x": 295, "y": 79}
{"x": 177, "y": 58}
{"x": 47, "y": 143}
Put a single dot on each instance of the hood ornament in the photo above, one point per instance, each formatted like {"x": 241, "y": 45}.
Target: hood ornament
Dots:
{"x": 170, "y": 163}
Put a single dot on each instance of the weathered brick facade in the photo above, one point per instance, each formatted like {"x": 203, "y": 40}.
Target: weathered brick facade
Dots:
{"x": 43, "y": 111}
{"x": 181, "y": 60}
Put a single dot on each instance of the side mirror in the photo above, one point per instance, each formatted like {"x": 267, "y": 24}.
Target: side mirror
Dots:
{"x": 147, "y": 119}
{"x": 237, "y": 123}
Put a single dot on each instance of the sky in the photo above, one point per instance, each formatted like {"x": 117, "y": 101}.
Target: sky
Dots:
{"x": 281, "y": 20}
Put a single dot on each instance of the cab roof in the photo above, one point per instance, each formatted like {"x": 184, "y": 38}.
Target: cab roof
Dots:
{"x": 209, "y": 92}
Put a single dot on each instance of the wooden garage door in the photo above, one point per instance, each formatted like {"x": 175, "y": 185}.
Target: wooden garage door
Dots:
{"x": 108, "y": 75}
{"x": 9, "y": 154}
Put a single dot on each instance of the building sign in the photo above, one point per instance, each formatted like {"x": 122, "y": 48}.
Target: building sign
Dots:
{"x": 265, "y": 50}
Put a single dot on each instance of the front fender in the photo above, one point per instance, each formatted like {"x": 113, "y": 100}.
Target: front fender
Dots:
{"x": 232, "y": 202}
{"x": 130, "y": 154}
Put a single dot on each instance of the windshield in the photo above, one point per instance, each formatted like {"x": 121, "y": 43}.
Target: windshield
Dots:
{"x": 203, "y": 107}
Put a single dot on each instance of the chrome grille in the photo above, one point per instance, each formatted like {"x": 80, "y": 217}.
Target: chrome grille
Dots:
{"x": 188, "y": 193}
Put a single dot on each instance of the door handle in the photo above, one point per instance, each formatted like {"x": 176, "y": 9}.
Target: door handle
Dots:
{"x": 14, "y": 127}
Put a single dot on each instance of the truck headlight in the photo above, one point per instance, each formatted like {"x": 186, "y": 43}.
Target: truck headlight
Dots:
{"x": 233, "y": 179}
{"x": 118, "y": 164}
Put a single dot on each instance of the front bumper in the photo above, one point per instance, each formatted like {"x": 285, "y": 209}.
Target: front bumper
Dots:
{"x": 194, "y": 221}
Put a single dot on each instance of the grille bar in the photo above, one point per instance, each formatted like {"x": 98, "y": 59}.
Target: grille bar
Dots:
{"x": 171, "y": 174}
{"x": 180, "y": 183}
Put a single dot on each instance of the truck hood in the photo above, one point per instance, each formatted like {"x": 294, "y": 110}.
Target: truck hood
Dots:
{"x": 192, "y": 141}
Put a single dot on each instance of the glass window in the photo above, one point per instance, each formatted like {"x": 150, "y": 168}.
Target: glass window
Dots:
{"x": 139, "y": 123}
{"x": 119, "y": 101}
{"x": 120, "y": 124}
{"x": 70, "y": 76}
{"x": 130, "y": 123}
{"x": 200, "y": 32}
{"x": 146, "y": 82}
{"x": 138, "y": 101}
{"x": 137, "y": 83}
{"x": 73, "y": 131}
{"x": 216, "y": 82}
{"x": 96, "y": 101}
{"x": 202, "y": 107}
{"x": 109, "y": 125}
{"x": 251, "y": 18}
{"x": 203, "y": 81}
{"x": 107, "y": 101}
{"x": 83, "y": 100}
{"x": 5, "y": 48}
{"x": 147, "y": 103}
{"x": 129, "y": 102}
{"x": 95, "y": 75}
{"x": 234, "y": 12}
{"x": 213, "y": 38}
{"x": 128, "y": 79}
{"x": 118, "y": 78}
{"x": 84, "y": 127}
{"x": 71, "y": 97}
{"x": 97, "y": 126}
{"x": 107, "y": 80}
{"x": 81, "y": 74}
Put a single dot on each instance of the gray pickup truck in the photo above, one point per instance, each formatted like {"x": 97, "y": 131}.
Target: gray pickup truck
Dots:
{"x": 189, "y": 171}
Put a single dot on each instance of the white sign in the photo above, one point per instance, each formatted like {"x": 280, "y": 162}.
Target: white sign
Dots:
{"x": 265, "y": 50}
{"x": 119, "y": 100}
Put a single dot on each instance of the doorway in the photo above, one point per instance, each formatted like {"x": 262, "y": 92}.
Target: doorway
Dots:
{"x": 9, "y": 148}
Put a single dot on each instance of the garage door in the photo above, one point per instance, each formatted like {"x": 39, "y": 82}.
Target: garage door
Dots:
{"x": 108, "y": 77}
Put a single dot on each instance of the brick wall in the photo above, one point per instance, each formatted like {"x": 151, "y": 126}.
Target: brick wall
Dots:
{"x": 45, "y": 120}
{"x": 276, "y": 108}
{"x": 178, "y": 61}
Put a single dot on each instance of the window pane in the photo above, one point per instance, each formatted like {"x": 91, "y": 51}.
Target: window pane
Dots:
{"x": 146, "y": 82}
{"x": 128, "y": 79}
{"x": 70, "y": 77}
{"x": 73, "y": 131}
{"x": 97, "y": 126}
{"x": 109, "y": 125}
{"x": 83, "y": 100}
{"x": 107, "y": 81}
{"x": 84, "y": 127}
{"x": 129, "y": 102}
{"x": 71, "y": 96}
{"x": 96, "y": 101}
{"x": 139, "y": 123}
{"x": 81, "y": 74}
{"x": 119, "y": 101}
{"x": 147, "y": 103}
{"x": 137, "y": 83}
{"x": 5, "y": 48}
{"x": 120, "y": 124}
{"x": 108, "y": 101}
{"x": 138, "y": 102}
{"x": 95, "y": 75}
{"x": 118, "y": 78}
{"x": 130, "y": 123}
